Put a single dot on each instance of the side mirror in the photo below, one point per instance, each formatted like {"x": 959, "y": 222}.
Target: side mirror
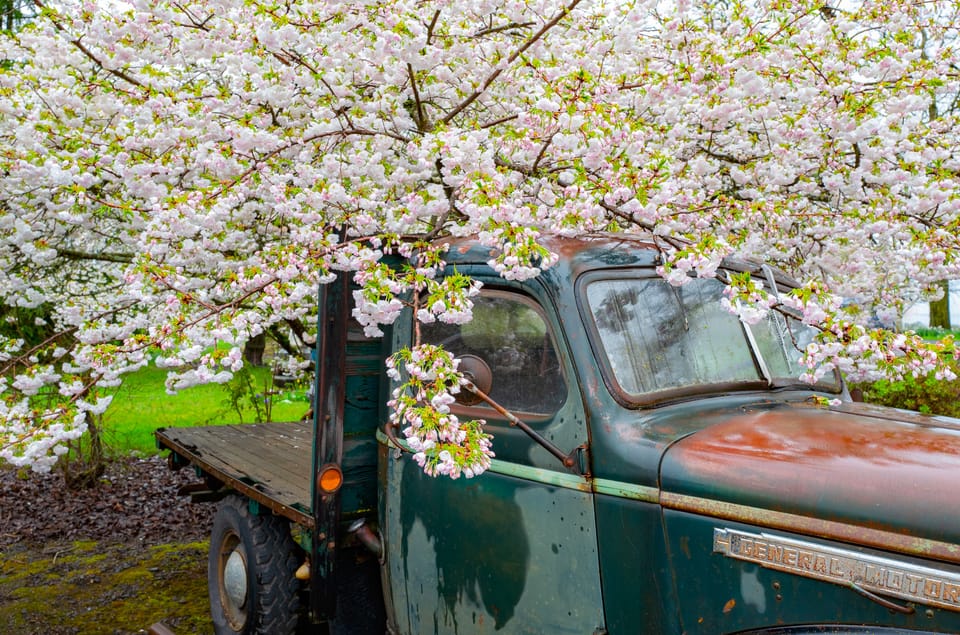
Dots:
{"x": 479, "y": 374}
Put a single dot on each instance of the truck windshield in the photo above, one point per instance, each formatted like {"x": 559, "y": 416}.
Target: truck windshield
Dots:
{"x": 657, "y": 337}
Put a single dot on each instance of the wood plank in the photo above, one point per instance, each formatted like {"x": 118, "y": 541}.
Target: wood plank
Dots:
{"x": 279, "y": 452}
{"x": 270, "y": 462}
{"x": 288, "y": 478}
{"x": 258, "y": 458}
{"x": 276, "y": 485}
{"x": 273, "y": 487}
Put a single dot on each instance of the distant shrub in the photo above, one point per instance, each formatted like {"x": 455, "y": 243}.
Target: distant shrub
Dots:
{"x": 33, "y": 326}
{"x": 927, "y": 395}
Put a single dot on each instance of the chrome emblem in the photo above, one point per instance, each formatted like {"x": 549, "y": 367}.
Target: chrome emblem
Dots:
{"x": 885, "y": 576}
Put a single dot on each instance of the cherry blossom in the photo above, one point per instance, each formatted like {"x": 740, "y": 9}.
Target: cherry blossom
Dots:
{"x": 178, "y": 178}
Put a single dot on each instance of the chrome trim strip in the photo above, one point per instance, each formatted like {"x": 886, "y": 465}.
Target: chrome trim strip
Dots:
{"x": 540, "y": 475}
{"x": 626, "y": 490}
{"x": 814, "y": 527}
{"x": 846, "y": 567}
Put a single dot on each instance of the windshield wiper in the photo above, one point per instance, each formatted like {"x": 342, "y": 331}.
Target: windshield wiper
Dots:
{"x": 757, "y": 356}
{"x": 752, "y": 340}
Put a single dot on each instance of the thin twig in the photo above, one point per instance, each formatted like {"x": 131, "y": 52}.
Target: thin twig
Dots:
{"x": 421, "y": 119}
{"x": 512, "y": 58}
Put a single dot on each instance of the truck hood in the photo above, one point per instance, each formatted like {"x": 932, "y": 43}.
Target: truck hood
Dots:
{"x": 865, "y": 474}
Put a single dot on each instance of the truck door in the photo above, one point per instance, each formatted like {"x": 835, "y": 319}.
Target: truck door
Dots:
{"x": 513, "y": 550}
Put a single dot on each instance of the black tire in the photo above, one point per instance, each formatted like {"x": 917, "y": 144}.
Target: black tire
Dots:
{"x": 257, "y": 593}
{"x": 360, "y": 609}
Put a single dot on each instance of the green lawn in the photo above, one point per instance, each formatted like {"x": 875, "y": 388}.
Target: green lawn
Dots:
{"x": 141, "y": 405}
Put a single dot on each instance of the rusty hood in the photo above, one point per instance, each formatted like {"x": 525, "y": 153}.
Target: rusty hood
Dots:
{"x": 859, "y": 473}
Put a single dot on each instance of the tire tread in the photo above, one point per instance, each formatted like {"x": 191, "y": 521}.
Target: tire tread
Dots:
{"x": 274, "y": 556}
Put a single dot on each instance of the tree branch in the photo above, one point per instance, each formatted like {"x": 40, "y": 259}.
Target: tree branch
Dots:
{"x": 619, "y": 213}
{"x": 510, "y": 165}
{"x": 421, "y": 118}
{"x": 726, "y": 157}
{"x": 506, "y": 27}
{"x": 433, "y": 23}
{"x": 105, "y": 256}
{"x": 543, "y": 151}
{"x": 512, "y": 58}
{"x": 194, "y": 23}
{"x": 87, "y": 52}
{"x": 497, "y": 122}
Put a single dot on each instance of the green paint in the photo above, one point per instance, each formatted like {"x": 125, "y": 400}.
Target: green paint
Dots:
{"x": 638, "y": 584}
{"x": 473, "y": 561}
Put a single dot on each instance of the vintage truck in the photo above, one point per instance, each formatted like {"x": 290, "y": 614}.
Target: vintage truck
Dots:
{"x": 659, "y": 469}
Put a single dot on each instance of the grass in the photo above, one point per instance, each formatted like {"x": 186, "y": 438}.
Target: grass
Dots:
{"x": 141, "y": 405}
{"x": 932, "y": 333}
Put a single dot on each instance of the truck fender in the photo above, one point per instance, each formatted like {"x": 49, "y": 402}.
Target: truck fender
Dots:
{"x": 833, "y": 629}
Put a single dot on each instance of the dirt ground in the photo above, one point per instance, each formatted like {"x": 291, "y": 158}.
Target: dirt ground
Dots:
{"x": 111, "y": 560}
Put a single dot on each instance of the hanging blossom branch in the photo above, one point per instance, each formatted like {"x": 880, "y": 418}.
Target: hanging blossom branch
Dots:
{"x": 427, "y": 376}
{"x": 843, "y": 344}
{"x": 442, "y": 444}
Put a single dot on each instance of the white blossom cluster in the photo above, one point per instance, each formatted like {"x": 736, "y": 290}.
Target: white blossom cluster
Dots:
{"x": 420, "y": 408}
{"x": 746, "y": 298}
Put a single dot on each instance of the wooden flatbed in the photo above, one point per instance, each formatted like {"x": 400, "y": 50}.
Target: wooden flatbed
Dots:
{"x": 270, "y": 463}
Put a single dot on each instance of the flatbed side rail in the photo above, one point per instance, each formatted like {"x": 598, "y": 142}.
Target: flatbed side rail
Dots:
{"x": 268, "y": 463}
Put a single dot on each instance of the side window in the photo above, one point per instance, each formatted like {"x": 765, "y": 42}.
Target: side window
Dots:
{"x": 510, "y": 333}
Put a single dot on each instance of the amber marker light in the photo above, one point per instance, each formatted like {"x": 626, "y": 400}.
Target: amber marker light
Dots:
{"x": 330, "y": 478}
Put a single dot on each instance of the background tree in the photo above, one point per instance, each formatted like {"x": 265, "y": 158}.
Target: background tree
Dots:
{"x": 176, "y": 177}
{"x": 14, "y": 13}
{"x": 940, "y": 308}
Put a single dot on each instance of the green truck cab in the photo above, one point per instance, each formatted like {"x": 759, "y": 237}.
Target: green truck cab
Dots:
{"x": 659, "y": 469}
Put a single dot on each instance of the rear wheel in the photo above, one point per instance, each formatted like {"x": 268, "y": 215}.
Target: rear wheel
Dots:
{"x": 251, "y": 572}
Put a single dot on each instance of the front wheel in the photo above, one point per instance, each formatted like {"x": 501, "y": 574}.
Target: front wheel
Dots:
{"x": 251, "y": 572}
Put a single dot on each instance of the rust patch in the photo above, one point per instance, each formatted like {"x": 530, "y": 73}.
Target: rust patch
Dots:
{"x": 880, "y": 475}
{"x": 729, "y": 605}
{"x": 569, "y": 248}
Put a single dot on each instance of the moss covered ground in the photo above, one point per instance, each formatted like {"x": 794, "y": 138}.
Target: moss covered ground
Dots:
{"x": 92, "y": 588}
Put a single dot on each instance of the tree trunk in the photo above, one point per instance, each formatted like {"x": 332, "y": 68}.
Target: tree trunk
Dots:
{"x": 253, "y": 351}
{"x": 940, "y": 309}
{"x": 84, "y": 470}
